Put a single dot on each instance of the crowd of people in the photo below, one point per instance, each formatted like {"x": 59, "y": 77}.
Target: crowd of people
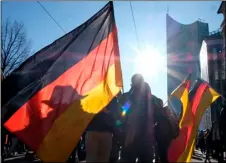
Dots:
{"x": 135, "y": 126}
{"x": 211, "y": 145}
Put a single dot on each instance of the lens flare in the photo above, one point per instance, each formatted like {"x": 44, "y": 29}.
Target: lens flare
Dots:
{"x": 123, "y": 113}
{"x": 125, "y": 108}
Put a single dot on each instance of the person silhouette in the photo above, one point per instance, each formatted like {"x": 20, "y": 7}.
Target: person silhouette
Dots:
{"x": 139, "y": 136}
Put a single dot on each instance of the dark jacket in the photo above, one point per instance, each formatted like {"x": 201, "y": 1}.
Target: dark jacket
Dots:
{"x": 139, "y": 119}
{"x": 166, "y": 123}
{"x": 102, "y": 122}
{"x": 105, "y": 121}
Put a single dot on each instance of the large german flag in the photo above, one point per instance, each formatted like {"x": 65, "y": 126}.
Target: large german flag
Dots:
{"x": 201, "y": 97}
{"x": 51, "y": 98}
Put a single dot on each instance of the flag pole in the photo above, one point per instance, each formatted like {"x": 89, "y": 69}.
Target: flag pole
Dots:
{"x": 187, "y": 77}
{"x": 167, "y": 100}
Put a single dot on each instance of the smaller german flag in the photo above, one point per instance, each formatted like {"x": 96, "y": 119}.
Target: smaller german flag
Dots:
{"x": 201, "y": 97}
{"x": 181, "y": 92}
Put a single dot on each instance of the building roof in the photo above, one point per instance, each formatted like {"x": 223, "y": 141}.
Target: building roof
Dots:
{"x": 171, "y": 19}
{"x": 174, "y": 27}
{"x": 214, "y": 40}
{"x": 222, "y": 7}
{"x": 214, "y": 35}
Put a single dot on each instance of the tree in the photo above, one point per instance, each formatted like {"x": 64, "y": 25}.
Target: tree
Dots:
{"x": 15, "y": 46}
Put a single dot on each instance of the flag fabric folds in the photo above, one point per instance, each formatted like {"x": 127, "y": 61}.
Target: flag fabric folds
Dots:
{"x": 181, "y": 92}
{"x": 51, "y": 98}
{"x": 201, "y": 97}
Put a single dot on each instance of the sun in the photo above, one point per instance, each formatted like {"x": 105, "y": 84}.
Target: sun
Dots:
{"x": 149, "y": 62}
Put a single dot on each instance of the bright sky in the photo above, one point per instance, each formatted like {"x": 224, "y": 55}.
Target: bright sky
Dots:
{"x": 150, "y": 20}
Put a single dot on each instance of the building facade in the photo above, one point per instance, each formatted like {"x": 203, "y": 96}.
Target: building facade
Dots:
{"x": 211, "y": 71}
{"x": 222, "y": 10}
{"x": 183, "y": 47}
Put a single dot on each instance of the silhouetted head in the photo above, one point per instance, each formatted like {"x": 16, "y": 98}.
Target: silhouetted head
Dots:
{"x": 137, "y": 80}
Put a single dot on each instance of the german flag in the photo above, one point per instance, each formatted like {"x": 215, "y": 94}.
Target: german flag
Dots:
{"x": 181, "y": 92}
{"x": 201, "y": 97}
{"x": 51, "y": 98}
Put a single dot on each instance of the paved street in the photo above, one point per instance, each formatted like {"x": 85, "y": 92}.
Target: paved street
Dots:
{"x": 20, "y": 158}
{"x": 197, "y": 157}
{"x": 16, "y": 158}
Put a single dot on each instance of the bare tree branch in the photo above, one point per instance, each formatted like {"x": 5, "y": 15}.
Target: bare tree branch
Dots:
{"x": 15, "y": 46}
{"x": 4, "y": 33}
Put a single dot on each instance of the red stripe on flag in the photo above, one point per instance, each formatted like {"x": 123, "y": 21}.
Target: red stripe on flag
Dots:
{"x": 196, "y": 100}
{"x": 179, "y": 144}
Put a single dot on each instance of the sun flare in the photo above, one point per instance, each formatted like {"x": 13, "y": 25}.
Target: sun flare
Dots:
{"x": 149, "y": 62}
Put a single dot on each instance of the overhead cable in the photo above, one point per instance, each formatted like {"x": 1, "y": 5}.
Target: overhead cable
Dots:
{"x": 51, "y": 16}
